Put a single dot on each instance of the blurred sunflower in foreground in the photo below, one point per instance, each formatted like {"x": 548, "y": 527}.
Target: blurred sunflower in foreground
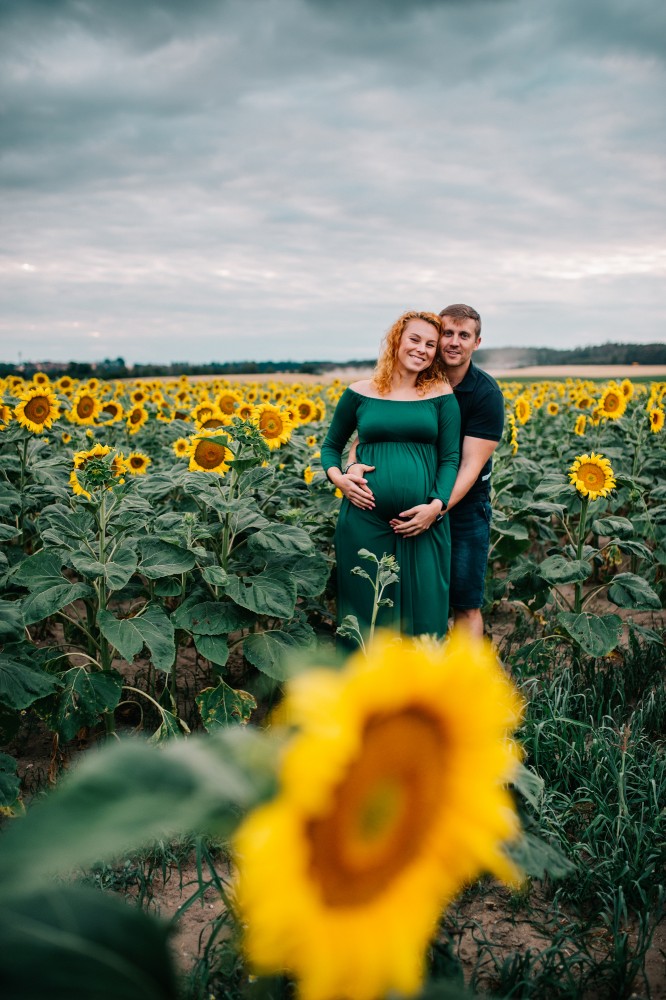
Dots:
{"x": 391, "y": 799}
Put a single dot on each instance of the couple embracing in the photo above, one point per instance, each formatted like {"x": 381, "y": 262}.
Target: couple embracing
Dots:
{"x": 417, "y": 483}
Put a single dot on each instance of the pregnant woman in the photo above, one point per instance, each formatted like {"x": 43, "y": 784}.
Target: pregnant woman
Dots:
{"x": 407, "y": 420}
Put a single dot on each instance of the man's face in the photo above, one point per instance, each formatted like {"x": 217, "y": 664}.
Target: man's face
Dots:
{"x": 459, "y": 341}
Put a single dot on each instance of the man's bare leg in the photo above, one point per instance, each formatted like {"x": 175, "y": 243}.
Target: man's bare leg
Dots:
{"x": 470, "y": 619}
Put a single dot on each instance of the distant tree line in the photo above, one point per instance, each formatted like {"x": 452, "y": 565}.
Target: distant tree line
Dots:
{"x": 506, "y": 357}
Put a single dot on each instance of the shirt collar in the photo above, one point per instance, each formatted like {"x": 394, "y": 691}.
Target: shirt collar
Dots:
{"x": 469, "y": 380}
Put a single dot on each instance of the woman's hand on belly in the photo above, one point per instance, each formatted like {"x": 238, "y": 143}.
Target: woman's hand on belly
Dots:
{"x": 417, "y": 519}
{"x": 356, "y": 488}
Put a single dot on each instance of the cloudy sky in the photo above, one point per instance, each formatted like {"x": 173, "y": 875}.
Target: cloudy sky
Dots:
{"x": 229, "y": 179}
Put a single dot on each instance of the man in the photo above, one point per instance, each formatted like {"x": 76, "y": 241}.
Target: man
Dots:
{"x": 482, "y": 423}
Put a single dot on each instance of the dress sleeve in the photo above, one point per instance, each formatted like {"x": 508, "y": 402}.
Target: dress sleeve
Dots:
{"x": 341, "y": 429}
{"x": 448, "y": 449}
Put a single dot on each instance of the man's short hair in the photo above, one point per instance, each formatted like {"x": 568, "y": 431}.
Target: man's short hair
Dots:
{"x": 461, "y": 311}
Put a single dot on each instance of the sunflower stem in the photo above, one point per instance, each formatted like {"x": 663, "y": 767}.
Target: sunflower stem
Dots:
{"x": 105, "y": 653}
{"x": 578, "y": 596}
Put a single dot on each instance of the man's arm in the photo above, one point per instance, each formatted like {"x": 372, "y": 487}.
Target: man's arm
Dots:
{"x": 475, "y": 454}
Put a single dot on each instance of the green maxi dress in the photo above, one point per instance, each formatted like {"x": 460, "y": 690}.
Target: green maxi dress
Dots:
{"x": 414, "y": 446}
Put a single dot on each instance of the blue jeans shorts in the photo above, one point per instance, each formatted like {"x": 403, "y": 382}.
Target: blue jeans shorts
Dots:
{"x": 470, "y": 542}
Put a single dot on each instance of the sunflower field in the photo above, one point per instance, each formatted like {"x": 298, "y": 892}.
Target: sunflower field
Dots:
{"x": 415, "y": 821}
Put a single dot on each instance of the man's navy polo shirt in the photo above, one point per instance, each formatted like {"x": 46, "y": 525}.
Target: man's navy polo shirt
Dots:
{"x": 481, "y": 416}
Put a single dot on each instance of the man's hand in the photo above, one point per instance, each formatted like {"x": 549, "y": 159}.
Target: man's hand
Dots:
{"x": 417, "y": 519}
{"x": 356, "y": 487}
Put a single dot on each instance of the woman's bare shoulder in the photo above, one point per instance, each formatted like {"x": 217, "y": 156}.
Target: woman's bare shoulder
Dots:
{"x": 441, "y": 389}
{"x": 363, "y": 387}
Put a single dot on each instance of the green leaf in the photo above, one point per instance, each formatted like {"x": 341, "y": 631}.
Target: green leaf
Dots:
{"x": 42, "y": 604}
{"x": 613, "y": 525}
{"x": 535, "y": 857}
{"x": 21, "y": 685}
{"x": 84, "y": 698}
{"x": 71, "y": 941}
{"x": 213, "y": 648}
{"x": 10, "y": 500}
{"x": 559, "y": 569}
{"x": 210, "y": 618}
{"x": 266, "y": 651}
{"x": 544, "y": 508}
{"x": 163, "y": 559}
{"x": 126, "y": 795}
{"x": 281, "y": 538}
{"x": 67, "y": 527}
{"x": 272, "y": 592}
{"x": 224, "y": 706}
{"x": 215, "y": 575}
{"x": 40, "y": 570}
{"x": 150, "y": 627}
{"x": 170, "y": 728}
{"x": 310, "y": 574}
{"x": 121, "y": 568}
{"x": 528, "y": 783}
{"x": 630, "y": 591}
{"x": 10, "y": 788}
{"x": 86, "y": 565}
{"x": 12, "y": 625}
{"x": 634, "y": 548}
{"x": 7, "y": 532}
{"x": 596, "y": 635}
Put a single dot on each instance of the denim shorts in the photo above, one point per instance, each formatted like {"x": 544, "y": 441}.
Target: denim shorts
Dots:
{"x": 470, "y": 541}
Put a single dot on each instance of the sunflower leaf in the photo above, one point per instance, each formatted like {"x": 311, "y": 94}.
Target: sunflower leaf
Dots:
{"x": 224, "y": 706}
{"x": 129, "y": 635}
{"x": 21, "y": 685}
{"x": 272, "y": 592}
{"x": 266, "y": 651}
{"x": 558, "y": 569}
{"x": 160, "y": 558}
{"x": 631, "y": 591}
{"x": 596, "y": 635}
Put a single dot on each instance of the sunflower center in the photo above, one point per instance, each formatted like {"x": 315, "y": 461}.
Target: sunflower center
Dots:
{"x": 213, "y": 422}
{"x": 270, "y": 425}
{"x": 37, "y": 409}
{"x": 135, "y": 416}
{"x": 591, "y": 476}
{"x": 611, "y": 403}
{"x": 136, "y": 462}
{"x": 208, "y": 454}
{"x": 381, "y": 811}
{"x": 85, "y": 406}
{"x": 227, "y": 404}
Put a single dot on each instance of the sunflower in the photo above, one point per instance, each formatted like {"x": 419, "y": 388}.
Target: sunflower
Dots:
{"x": 627, "y": 387}
{"x": 245, "y": 411}
{"x": 65, "y": 384}
{"x": 308, "y": 474}
{"x": 214, "y": 419}
{"x": 137, "y": 463}
{"x": 579, "y": 426}
{"x": 41, "y": 379}
{"x": 522, "y": 409}
{"x": 85, "y": 408}
{"x": 5, "y": 416}
{"x": 202, "y": 411}
{"x": 112, "y": 412}
{"x": 656, "y": 419}
{"x": 209, "y": 454}
{"x": 553, "y": 409}
{"x": 274, "y": 423}
{"x": 613, "y": 403}
{"x": 311, "y": 441}
{"x": 102, "y": 473}
{"x": 592, "y": 476}
{"x": 37, "y": 409}
{"x": 181, "y": 447}
{"x": 138, "y": 396}
{"x": 584, "y": 402}
{"x": 136, "y": 418}
{"x": 306, "y": 409}
{"x": 228, "y": 401}
{"x": 391, "y": 799}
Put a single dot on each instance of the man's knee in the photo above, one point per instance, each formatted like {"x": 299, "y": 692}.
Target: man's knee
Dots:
{"x": 470, "y": 619}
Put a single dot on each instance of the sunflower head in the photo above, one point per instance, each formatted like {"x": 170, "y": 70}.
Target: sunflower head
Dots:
{"x": 37, "y": 409}
{"x": 136, "y": 418}
{"x": 579, "y": 426}
{"x": 85, "y": 408}
{"x": 627, "y": 387}
{"x": 209, "y": 453}
{"x": 181, "y": 447}
{"x": 656, "y": 416}
{"x": 613, "y": 403}
{"x": 553, "y": 409}
{"x": 274, "y": 423}
{"x": 5, "y": 416}
{"x": 41, "y": 379}
{"x": 391, "y": 798}
{"x": 137, "y": 463}
{"x": 592, "y": 476}
{"x": 112, "y": 411}
{"x": 522, "y": 409}
{"x": 97, "y": 469}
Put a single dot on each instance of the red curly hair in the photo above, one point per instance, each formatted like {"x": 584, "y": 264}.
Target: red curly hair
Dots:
{"x": 382, "y": 377}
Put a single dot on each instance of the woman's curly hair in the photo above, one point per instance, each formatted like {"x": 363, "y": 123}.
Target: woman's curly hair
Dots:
{"x": 382, "y": 377}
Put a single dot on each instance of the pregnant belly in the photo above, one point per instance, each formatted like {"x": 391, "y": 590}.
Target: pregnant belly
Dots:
{"x": 403, "y": 476}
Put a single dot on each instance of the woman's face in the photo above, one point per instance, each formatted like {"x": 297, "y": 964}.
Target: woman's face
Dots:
{"x": 418, "y": 346}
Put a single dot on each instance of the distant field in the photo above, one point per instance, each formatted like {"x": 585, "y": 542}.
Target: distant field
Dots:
{"x": 536, "y": 372}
